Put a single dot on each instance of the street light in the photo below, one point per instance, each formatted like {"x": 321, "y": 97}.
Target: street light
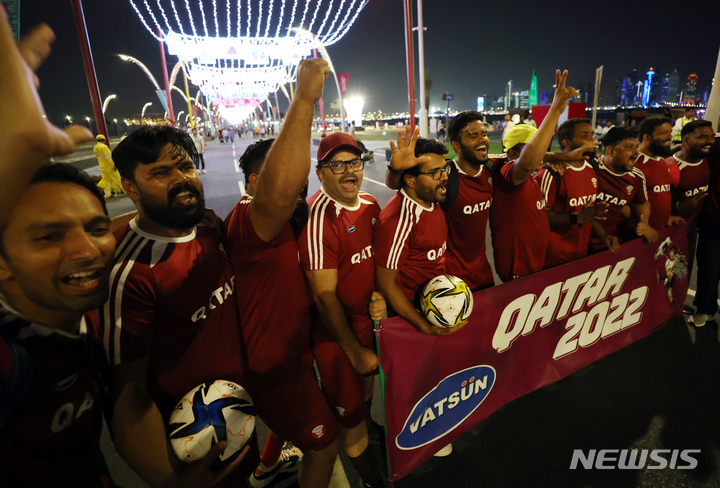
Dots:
{"x": 130, "y": 59}
{"x": 142, "y": 115}
{"x": 107, "y": 100}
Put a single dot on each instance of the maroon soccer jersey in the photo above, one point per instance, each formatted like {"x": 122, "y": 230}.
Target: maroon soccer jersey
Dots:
{"x": 657, "y": 181}
{"x": 575, "y": 188}
{"x": 518, "y": 224}
{"x": 274, "y": 304}
{"x": 52, "y": 436}
{"x": 173, "y": 300}
{"x": 694, "y": 178}
{"x": 617, "y": 190}
{"x": 711, "y": 210}
{"x": 466, "y": 220}
{"x": 341, "y": 237}
{"x": 411, "y": 239}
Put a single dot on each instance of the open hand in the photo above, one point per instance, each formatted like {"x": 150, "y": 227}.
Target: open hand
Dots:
{"x": 592, "y": 213}
{"x": 403, "y": 156}
{"x": 579, "y": 153}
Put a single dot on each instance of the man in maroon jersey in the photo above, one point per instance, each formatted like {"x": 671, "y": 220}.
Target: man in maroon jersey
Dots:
{"x": 275, "y": 304}
{"x": 708, "y": 247}
{"x": 55, "y": 258}
{"x": 620, "y": 184}
{"x": 336, "y": 251}
{"x": 698, "y": 137}
{"x": 518, "y": 221}
{"x": 655, "y": 135}
{"x": 570, "y": 197}
{"x": 411, "y": 235}
{"x": 171, "y": 322}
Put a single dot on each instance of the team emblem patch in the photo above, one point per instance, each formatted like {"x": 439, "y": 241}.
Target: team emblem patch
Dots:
{"x": 490, "y": 180}
{"x": 351, "y": 228}
{"x": 373, "y": 220}
{"x": 630, "y": 188}
{"x": 594, "y": 182}
{"x": 341, "y": 411}
{"x": 318, "y": 431}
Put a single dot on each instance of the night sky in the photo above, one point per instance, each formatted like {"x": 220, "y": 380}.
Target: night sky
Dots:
{"x": 472, "y": 48}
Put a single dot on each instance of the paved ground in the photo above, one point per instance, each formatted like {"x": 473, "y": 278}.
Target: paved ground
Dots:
{"x": 662, "y": 392}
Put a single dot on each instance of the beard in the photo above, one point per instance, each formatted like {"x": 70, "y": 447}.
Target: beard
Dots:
{"x": 469, "y": 156}
{"x": 658, "y": 149}
{"x": 167, "y": 215}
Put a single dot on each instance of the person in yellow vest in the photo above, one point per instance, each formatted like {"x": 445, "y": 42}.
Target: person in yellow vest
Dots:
{"x": 680, "y": 123}
{"x": 110, "y": 181}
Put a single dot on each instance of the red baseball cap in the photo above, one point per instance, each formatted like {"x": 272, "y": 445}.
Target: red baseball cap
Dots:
{"x": 335, "y": 142}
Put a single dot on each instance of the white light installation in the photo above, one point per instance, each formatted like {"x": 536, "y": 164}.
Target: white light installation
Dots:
{"x": 262, "y": 24}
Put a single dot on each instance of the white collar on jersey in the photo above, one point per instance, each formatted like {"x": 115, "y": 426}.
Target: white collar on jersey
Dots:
{"x": 650, "y": 157}
{"x": 138, "y": 230}
{"x": 37, "y": 329}
{"x": 603, "y": 166}
{"x": 586, "y": 165}
{"x": 685, "y": 162}
{"x": 457, "y": 166}
{"x": 360, "y": 202}
{"x": 432, "y": 205}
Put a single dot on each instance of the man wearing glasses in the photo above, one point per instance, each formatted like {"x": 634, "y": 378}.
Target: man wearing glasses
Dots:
{"x": 411, "y": 235}
{"x": 336, "y": 252}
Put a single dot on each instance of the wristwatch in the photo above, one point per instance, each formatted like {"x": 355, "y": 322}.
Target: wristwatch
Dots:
{"x": 573, "y": 218}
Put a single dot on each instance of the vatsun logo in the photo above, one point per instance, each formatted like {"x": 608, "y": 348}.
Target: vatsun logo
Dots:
{"x": 351, "y": 228}
{"x": 446, "y": 406}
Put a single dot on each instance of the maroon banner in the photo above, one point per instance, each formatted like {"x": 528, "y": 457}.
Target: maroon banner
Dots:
{"x": 343, "y": 80}
{"x": 523, "y": 335}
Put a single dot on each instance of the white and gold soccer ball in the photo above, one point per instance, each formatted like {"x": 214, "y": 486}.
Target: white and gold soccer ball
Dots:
{"x": 212, "y": 412}
{"x": 446, "y": 301}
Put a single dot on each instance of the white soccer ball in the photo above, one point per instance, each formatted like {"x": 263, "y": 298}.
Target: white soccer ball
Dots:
{"x": 446, "y": 301}
{"x": 212, "y": 412}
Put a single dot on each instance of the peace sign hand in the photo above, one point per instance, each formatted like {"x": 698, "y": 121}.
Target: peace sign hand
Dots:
{"x": 563, "y": 94}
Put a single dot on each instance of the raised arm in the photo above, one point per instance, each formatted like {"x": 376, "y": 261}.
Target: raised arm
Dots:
{"x": 28, "y": 138}
{"x": 531, "y": 157}
{"x": 287, "y": 166}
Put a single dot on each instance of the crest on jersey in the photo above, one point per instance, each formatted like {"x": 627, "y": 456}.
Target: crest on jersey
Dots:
{"x": 373, "y": 220}
{"x": 318, "y": 431}
{"x": 594, "y": 182}
{"x": 630, "y": 188}
{"x": 351, "y": 228}
{"x": 490, "y": 180}
{"x": 341, "y": 411}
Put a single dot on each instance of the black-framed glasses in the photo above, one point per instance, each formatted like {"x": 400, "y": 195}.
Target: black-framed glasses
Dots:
{"x": 340, "y": 167}
{"x": 436, "y": 174}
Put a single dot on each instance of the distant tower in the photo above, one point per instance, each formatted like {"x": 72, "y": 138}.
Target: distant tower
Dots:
{"x": 691, "y": 88}
{"x": 533, "y": 98}
{"x": 673, "y": 86}
{"x": 647, "y": 88}
{"x": 664, "y": 86}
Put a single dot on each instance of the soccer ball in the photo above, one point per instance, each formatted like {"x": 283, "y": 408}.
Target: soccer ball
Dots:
{"x": 446, "y": 301}
{"x": 212, "y": 412}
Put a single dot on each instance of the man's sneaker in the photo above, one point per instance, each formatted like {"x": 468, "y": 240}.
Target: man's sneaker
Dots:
{"x": 688, "y": 310}
{"x": 203, "y": 171}
{"x": 288, "y": 464}
{"x": 445, "y": 451}
{"x": 700, "y": 319}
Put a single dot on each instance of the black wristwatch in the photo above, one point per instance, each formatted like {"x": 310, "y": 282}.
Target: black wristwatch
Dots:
{"x": 573, "y": 219}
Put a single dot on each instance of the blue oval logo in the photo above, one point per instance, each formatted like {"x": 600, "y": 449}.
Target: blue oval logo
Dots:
{"x": 351, "y": 228}
{"x": 446, "y": 406}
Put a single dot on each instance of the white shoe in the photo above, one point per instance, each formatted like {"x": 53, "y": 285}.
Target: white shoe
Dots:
{"x": 700, "y": 319}
{"x": 203, "y": 171}
{"x": 445, "y": 451}
{"x": 287, "y": 464}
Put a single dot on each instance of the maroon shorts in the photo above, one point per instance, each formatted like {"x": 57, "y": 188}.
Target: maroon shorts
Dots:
{"x": 342, "y": 385}
{"x": 290, "y": 402}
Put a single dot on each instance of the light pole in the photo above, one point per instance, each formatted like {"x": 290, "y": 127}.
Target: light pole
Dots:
{"x": 142, "y": 115}
{"x": 424, "y": 131}
{"x": 130, "y": 59}
{"x": 107, "y": 100}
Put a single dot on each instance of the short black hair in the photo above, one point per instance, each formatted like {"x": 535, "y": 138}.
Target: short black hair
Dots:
{"x": 458, "y": 123}
{"x": 254, "y": 156}
{"x": 426, "y": 146}
{"x": 63, "y": 173}
{"x": 618, "y": 134}
{"x": 145, "y": 145}
{"x": 567, "y": 129}
{"x": 649, "y": 124}
{"x": 695, "y": 124}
